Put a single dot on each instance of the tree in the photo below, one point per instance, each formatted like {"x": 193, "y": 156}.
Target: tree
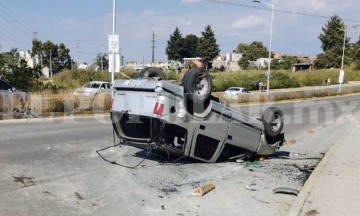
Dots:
{"x": 207, "y": 48}
{"x": 332, "y": 39}
{"x": 190, "y": 46}
{"x": 102, "y": 61}
{"x": 251, "y": 52}
{"x": 7, "y": 59}
{"x": 355, "y": 49}
{"x": 175, "y": 49}
{"x": 60, "y": 55}
{"x": 18, "y": 73}
{"x": 285, "y": 63}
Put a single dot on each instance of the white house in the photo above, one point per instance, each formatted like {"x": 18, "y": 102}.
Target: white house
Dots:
{"x": 262, "y": 62}
{"x": 31, "y": 61}
{"x": 46, "y": 71}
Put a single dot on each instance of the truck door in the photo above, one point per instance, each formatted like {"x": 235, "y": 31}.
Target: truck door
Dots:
{"x": 209, "y": 137}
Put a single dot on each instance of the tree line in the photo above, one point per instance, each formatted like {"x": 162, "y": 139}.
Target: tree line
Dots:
{"x": 332, "y": 37}
{"x": 205, "y": 46}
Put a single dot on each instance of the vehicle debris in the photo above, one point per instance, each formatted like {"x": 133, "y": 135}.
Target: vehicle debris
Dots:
{"x": 254, "y": 164}
{"x": 261, "y": 158}
{"x": 251, "y": 187}
{"x": 292, "y": 141}
{"x": 305, "y": 168}
{"x": 240, "y": 161}
{"x": 286, "y": 190}
{"x": 201, "y": 191}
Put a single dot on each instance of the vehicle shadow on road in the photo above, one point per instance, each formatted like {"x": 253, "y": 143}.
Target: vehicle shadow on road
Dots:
{"x": 123, "y": 153}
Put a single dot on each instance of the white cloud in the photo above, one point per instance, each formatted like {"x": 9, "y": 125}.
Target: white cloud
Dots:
{"x": 250, "y": 22}
{"x": 308, "y": 5}
{"x": 190, "y": 1}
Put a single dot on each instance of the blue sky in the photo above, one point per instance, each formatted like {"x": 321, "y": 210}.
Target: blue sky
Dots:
{"x": 90, "y": 22}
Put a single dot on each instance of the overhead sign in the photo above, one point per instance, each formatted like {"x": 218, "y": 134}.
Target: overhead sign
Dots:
{"x": 341, "y": 76}
{"x": 113, "y": 43}
{"x": 115, "y": 63}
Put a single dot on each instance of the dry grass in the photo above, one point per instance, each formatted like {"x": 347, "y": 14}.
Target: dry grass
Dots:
{"x": 283, "y": 95}
{"x": 47, "y": 104}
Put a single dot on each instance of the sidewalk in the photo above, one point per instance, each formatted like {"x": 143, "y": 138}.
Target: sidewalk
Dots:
{"x": 334, "y": 187}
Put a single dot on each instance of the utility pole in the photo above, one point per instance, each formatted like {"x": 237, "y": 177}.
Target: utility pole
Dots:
{"x": 35, "y": 36}
{"x": 153, "y": 48}
{"x": 77, "y": 50}
{"x": 50, "y": 65}
{"x": 101, "y": 57}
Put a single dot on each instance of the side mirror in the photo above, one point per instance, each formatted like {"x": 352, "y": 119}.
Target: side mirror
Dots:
{"x": 13, "y": 89}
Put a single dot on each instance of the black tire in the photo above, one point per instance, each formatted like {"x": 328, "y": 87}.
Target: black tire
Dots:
{"x": 152, "y": 73}
{"x": 197, "y": 88}
{"x": 273, "y": 121}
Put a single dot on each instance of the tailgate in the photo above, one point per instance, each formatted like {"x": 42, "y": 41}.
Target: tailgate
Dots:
{"x": 135, "y": 102}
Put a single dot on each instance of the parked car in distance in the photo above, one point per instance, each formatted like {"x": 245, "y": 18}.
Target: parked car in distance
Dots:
{"x": 234, "y": 91}
{"x": 4, "y": 86}
{"x": 92, "y": 88}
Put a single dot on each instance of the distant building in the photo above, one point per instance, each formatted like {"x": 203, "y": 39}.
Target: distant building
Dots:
{"x": 138, "y": 66}
{"x": 196, "y": 61}
{"x": 83, "y": 66}
{"x": 45, "y": 72}
{"x": 262, "y": 63}
{"x": 30, "y": 61}
{"x": 229, "y": 61}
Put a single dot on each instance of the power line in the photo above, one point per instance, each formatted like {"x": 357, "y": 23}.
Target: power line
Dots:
{"x": 276, "y": 10}
{"x": 19, "y": 20}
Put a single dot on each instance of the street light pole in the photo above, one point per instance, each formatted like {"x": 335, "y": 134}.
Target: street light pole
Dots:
{"x": 342, "y": 72}
{"x": 270, "y": 43}
{"x": 113, "y": 33}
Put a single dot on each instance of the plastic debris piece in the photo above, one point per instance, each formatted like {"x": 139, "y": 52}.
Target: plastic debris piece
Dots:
{"x": 240, "y": 161}
{"x": 292, "y": 141}
{"x": 310, "y": 132}
{"x": 201, "y": 191}
{"x": 254, "y": 164}
{"x": 251, "y": 187}
{"x": 305, "y": 168}
{"x": 262, "y": 157}
{"x": 285, "y": 190}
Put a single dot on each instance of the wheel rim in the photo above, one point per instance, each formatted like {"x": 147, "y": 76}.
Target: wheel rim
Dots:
{"x": 276, "y": 124}
{"x": 201, "y": 86}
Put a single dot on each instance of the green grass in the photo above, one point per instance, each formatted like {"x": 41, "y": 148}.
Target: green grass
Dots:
{"x": 280, "y": 79}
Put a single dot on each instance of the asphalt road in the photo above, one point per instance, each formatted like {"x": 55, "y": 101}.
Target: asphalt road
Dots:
{"x": 301, "y": 116}
{"x": 50, "y": 167}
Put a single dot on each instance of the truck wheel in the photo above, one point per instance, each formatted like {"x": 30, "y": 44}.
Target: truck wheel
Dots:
{"x": 152, "y": 73}
{"x": 197, "y": 88}
{"x": 273, "y": 121}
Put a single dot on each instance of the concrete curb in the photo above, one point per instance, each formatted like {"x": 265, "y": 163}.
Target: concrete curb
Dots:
{"x": 297, "y": 206}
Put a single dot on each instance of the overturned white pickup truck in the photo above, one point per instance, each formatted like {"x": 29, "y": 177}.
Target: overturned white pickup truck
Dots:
{"x": 184, "y": 120}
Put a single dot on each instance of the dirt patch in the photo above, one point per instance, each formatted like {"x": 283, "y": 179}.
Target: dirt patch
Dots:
{"x": 24, "y": 180}
{"x": 77, "y": 195}
{"x": 312, "y": 213}
{"x": 48, "y": 193}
